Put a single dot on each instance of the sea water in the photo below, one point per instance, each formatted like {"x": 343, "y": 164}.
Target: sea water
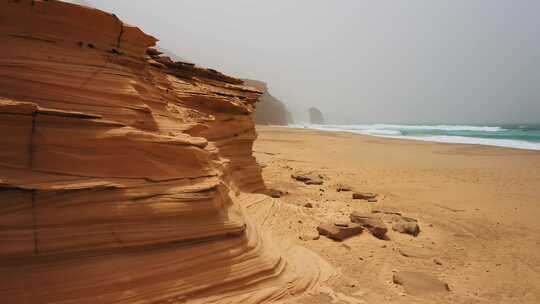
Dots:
{"x": 520, "y": 136}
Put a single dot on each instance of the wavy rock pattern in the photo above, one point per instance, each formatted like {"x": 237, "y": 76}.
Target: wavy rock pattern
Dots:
{"x": 123, "y": 174}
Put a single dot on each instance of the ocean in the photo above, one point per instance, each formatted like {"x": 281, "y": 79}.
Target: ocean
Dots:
{"x": 519, "y": 136}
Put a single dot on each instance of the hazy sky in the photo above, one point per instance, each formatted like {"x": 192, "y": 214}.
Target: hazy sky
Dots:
{"x": 408, "y": 61}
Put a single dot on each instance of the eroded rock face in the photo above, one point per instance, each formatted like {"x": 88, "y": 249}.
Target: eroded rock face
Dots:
{"x": 120, "y": 174}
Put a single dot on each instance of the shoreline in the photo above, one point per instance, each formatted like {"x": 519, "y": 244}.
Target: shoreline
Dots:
{"x": 463, "y": 140}
{"x": 477, "y": 207}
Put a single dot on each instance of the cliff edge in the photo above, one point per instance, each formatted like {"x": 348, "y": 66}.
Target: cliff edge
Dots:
{"x": 270, "y": 111}
{"x": 124, "y": 174}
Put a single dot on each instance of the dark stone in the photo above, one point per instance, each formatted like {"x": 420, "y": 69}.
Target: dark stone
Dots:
{"x": 276, "y": 193}
{"x": 308, "y": 178}
{"x": 339, "y": 233}
{"x": 372, "y": 223}
{"x": 364, "y": 195}
{"x": 153, "y": 52}
{"x": 316, "y": 116}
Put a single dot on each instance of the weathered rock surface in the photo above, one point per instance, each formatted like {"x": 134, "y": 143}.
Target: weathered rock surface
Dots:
{"x": 406, "y": 225}
{"x": 371, "y": 222}
{"x": 419, "y": 284}
{"x": 364, "y": 196}
{"x": 276, "y": 193}
{"x": 308, "y": 178}
{"x": 122, "y": 171}
{"x": 339, "y": 231}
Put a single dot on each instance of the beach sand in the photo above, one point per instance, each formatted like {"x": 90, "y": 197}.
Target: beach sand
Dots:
{"x": 478, "y": 209}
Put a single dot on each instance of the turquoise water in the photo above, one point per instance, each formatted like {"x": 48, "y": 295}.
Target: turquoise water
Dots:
{"x": 512, "y": 132}
{"x": 520, "y": 136}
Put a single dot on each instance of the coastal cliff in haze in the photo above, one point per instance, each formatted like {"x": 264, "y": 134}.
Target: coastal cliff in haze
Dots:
{"x": 315, "y": 116}
{"x": 124, "y": 174}
{"x": 270, "y": 111}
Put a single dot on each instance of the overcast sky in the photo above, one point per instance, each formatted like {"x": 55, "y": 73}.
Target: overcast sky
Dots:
{"x": 408, "y": 61}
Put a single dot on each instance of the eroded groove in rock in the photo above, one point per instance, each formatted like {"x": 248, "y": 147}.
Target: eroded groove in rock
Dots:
{"x": 123, "y": 174}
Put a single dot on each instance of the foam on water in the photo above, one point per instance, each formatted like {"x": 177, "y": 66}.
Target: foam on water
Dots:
{"x": 461, "y": 134}
{"x": 507, "y": 143}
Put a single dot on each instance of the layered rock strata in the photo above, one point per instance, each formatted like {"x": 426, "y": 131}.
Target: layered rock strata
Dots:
{"x": 122, "y": 172}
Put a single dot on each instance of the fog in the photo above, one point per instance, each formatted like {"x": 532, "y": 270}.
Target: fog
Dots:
{"x": 416, "y": 61}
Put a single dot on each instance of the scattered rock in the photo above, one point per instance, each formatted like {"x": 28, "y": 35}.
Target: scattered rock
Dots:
{"x": 372, "y": 223}
{"x": 418, "y": 283}
{"x": 309, "y": 237}
{"x": 406, "y": 225}
{"x": 339, "y": 233}
{"x": 364, "y": 195}
{"x": 308, "y": 178}
{"x": 343, "y": 188}
{"x": 276, "y": 193}
{"x": 308, "y": 205}
{"x": 437, "y": 261}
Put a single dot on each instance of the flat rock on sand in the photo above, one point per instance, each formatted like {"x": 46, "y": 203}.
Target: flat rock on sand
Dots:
{"x": 406, "y": 225}
{"x": 419, "y": 283}
{"x": 373, "y": 223}
{"x": 309, "y": 178}
{"x": 339, "y": 231}
{"x": 364, "y": 196}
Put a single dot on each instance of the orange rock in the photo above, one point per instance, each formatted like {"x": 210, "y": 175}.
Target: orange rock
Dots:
{"x": 339, "y": 232}
{"x": 121, "y": 179}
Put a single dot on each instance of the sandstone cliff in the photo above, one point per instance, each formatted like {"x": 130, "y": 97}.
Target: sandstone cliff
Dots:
{"x": 123, "y": 174}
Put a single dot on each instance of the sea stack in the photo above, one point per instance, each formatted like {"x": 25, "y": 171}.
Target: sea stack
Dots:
{"x": 316, "y": 116}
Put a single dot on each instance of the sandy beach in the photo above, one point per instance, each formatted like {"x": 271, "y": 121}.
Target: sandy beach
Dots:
{"x": 138, "y": 172}
{"x": 477, "y": 208}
